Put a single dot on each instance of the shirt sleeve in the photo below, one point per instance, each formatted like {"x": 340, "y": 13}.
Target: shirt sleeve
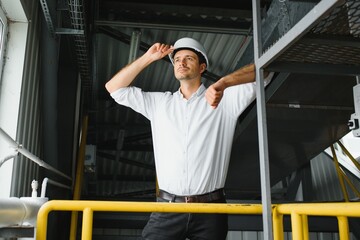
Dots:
{"x": 237, "y": 98}
{"x": 138, "y": 100}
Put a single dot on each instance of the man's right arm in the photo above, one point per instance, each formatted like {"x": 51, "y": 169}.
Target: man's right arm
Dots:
{"x": 127, "y": 75}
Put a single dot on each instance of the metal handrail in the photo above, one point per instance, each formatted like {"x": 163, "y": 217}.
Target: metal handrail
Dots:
{"x": 299, "y": 213}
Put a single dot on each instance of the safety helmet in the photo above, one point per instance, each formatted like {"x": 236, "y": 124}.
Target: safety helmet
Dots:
{"x": 189, "y": 43}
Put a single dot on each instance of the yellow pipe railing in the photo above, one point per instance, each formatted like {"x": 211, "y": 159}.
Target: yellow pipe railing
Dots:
{"x": 299, "y": 213}
{"x": 341, "y": 210}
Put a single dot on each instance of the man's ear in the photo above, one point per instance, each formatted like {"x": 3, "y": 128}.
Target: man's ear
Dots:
{"x": 202, "y": 67}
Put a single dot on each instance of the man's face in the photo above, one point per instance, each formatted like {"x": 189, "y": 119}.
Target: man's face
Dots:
{"x": 187, "y": 66}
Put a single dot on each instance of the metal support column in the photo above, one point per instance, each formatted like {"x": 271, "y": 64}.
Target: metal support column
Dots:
{"x": 262, "y": 127}
{"x": 134, "y": 45}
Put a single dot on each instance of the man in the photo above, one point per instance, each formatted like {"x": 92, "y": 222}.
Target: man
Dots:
{"x": 192, "y": 131}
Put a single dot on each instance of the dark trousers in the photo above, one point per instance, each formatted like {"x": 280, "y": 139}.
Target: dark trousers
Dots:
{"x": 180, "y": 226}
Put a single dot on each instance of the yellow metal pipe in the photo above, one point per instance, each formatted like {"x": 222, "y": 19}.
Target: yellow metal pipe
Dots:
{"x": 156, "y": 187}
{"x": 73, "y": 225}
{"x": 79, "y": 176}
{"x": 278, "y": 225}
{"x": 80, "y": 160}
{"x": 104, "y": 206}
{"x": 349, "y": 209}
{"x": 341, "y": 179}
{"x": 305, "y": 226}
{"x": 343, "y": 224}
{"x": 41, "y": 224}
{"x": 351, "y": 185}
{"x": 296, "y": 226}
{"x": 118, "y": 206}
{"x": 349, "y": 155}
{"x": 87, "y": 224}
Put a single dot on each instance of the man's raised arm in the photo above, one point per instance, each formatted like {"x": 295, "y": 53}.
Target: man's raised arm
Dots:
{"x": 127, "y": 74}
{"x": 243, "y": 75}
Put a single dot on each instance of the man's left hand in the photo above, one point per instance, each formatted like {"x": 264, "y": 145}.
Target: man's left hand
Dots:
{"x": 214, "y": 94}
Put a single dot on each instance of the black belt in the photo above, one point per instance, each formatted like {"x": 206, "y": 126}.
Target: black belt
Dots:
{"x": 203, "y": 198}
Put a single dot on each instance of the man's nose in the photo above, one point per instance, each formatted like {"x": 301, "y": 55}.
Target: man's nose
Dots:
{"x": 183, "y": 62}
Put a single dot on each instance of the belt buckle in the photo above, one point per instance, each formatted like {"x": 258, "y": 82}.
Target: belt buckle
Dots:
{"x": 187, "y": 199}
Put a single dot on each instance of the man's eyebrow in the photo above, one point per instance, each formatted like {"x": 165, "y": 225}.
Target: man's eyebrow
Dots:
{"x": 188, "y": 55}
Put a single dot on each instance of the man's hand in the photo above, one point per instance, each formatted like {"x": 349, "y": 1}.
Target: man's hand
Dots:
{"x": 243, "y": 75}
{"x": 214, "y": 93}
{"x": 158, "y": 51}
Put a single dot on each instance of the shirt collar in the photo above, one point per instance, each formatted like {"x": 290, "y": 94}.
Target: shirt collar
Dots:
{"x": 198, "y": 92}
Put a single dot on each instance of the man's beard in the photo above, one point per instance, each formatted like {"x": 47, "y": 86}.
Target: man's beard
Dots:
{"x": 185, "y": 77}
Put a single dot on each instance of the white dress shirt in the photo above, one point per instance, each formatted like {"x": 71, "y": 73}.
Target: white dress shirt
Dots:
{"x": 192, "y": 141}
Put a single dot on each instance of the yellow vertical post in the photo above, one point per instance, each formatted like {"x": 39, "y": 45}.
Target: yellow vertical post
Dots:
{"x": 156, "y": 187}
{"x": 341, "y": 179}
{"x": 278, "y": 226}
{"x": 41, "y": 223}
{"x": 350, "y": 184}
{"x": 79, "y": 176}
{"x": 87, "y": 224}
{"x": 343, "y": 224}
{"x": 305, "y": 226}
{"x": 296, "y": 225}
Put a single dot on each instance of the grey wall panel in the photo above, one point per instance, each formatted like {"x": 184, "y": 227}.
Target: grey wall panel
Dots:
{"x": 29, "y": 125}
{"x": 325, "y": 180}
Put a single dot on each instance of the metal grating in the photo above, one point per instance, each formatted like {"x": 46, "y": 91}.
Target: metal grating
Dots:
{"x": 344, "y": 20}
{"x": 47, "y": 16}
{"x": 334, "y": 40}
{"x": 170, "y": 16}
{"x": 322, "y": 53}
{"x": 79, "y": 22}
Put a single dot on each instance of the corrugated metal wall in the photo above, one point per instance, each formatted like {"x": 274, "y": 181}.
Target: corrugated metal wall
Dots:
{"x": 287, "y": 236}
{"x": 326, "y": 186}
{"x": 29, "y": 124}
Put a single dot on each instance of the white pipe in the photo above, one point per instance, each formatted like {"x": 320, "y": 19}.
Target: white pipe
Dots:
{"x": 12, "y": 211}
{"x": 44, "y": 185}
{"x": 23, "y": 211}
{"x": 29, "y": 155}
{"x": 20, "y": 211}
{"x": 32, "y": 206}
{"x": 7, "y": 158}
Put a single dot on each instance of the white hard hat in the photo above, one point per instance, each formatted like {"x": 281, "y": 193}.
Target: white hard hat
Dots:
{"x": 191, "y": 43}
